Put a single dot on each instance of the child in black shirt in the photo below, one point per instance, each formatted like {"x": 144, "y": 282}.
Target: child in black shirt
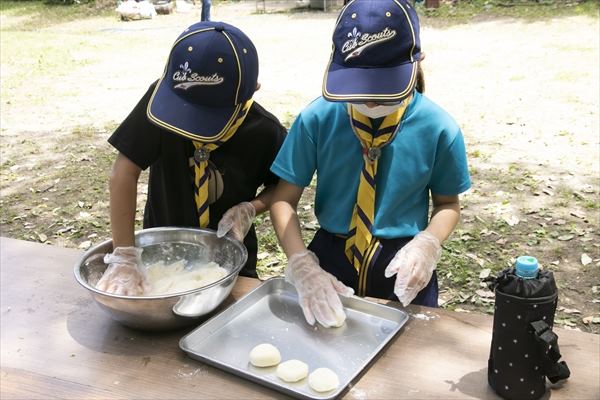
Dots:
{"x": 208, "y": 145}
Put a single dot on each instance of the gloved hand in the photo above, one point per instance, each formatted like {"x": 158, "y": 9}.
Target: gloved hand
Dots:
{"x": 317, "y": 290}
{"x": 237, "y": 220}
{"x": 413, "y": 265}
{"x": 123, "y": 275}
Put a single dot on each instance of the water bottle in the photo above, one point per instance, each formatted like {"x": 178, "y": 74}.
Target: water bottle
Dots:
{"x": 524, "y": 350}
{"x": 527, "y": 267}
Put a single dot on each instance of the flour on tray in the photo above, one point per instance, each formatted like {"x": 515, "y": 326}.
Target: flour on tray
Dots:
{"x": 175, "y": 278}
{"x": 423, "y": 316}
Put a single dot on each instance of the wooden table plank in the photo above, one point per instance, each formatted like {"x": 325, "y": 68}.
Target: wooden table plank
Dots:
{"x": 57, "y": 343}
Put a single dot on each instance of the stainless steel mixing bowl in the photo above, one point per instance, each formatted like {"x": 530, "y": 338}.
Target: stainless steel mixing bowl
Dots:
{"x": 168, "y": 244}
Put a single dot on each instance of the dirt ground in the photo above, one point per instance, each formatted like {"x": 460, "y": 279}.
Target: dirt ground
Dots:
{"x": 526, "y": 94}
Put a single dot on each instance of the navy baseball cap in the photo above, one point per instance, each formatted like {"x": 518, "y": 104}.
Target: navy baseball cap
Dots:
{"x": 211, "y": 72}
{"x": 375, "y": 49}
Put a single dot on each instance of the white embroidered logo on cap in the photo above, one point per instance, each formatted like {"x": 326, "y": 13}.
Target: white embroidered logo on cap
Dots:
{"x": 358, "y": 41}
{"x": 189, "y": 78}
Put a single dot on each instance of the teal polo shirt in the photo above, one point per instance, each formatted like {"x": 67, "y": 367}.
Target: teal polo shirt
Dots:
{"x": 427, "y": 154}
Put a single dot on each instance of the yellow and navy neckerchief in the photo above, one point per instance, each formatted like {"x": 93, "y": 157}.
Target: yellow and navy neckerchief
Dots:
{"x": 201, "y": 156}
{"x": 361, "y": 246}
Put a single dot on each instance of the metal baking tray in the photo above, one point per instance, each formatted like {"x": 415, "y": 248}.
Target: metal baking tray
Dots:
{"x": 271, "y": 314}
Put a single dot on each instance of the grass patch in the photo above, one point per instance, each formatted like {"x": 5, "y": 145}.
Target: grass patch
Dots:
{"x": 592, "y": 204}
{"x": 34, "y": 15}
{"x": 65, "y": 193}
{"x": 29, "y": 62}
{"x": 466, "y": 11}
{"x": 567, "y": 76}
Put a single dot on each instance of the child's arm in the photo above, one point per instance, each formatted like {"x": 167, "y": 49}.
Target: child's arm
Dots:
{"x": 123, "y": 276}
{"x": 285, "y": 220}
{"x": 414, "y": 263}
{"x": 123, "y": 195}
{"x": 317, "y": 290}
{"x": 262, "y": 202}
{"x": 444, "y": 217}
{"x": 239, "y": 218}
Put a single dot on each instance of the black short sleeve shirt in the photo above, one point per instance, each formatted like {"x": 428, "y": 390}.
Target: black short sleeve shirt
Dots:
{"x": 238, "y": 168}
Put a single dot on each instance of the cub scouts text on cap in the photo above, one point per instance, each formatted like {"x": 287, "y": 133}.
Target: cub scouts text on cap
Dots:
{"x": 376, "y": 46}
{"x": 211, "y": 72}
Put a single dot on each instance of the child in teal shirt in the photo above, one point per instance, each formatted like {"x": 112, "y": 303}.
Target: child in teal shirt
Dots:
{"x": 380, "y": 149}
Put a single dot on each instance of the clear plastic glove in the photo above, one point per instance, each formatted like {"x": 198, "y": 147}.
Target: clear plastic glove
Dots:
{"x": 237, "y": 220}
{"x": 317, "y": 290}
{"x": 123, "y": 275}
{"x": 413, "y": 265}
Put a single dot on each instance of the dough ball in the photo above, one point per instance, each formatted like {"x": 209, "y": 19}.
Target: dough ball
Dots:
{"x": 265, "y": 355}
{"x": 292, "y": 370}
{"x": 340, "y": 319}
{"x": 323, "y": 380}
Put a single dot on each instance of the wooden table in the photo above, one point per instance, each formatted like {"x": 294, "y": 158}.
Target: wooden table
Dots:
{"x": 57, "y": 343}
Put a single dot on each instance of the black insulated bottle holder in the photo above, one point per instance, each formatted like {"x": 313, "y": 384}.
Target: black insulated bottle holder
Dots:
{"x": 524, "y": 350}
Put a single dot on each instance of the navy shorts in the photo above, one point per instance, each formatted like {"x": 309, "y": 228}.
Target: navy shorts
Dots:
{"x": 330, "y": 250}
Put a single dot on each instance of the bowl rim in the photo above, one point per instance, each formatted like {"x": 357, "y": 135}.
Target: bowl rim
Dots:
{"x": 88, "y": 253}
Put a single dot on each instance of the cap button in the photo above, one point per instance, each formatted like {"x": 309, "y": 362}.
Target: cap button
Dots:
{"x": 219, "y": 28}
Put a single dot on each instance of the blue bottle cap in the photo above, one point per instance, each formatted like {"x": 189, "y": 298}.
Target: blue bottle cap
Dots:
{"x": 527, "y": 267}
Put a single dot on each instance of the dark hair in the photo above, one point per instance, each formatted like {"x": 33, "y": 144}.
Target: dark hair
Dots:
{"x": 420, "y": 86}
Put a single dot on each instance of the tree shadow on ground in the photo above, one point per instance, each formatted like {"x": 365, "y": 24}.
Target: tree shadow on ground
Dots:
{"x": 522, "y": 10}
{"x": 42, "y": 15}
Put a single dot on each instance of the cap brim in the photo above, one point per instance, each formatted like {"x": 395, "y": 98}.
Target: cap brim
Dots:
{"x": 369, "y": 84}
{"x": 174, "y": 113}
